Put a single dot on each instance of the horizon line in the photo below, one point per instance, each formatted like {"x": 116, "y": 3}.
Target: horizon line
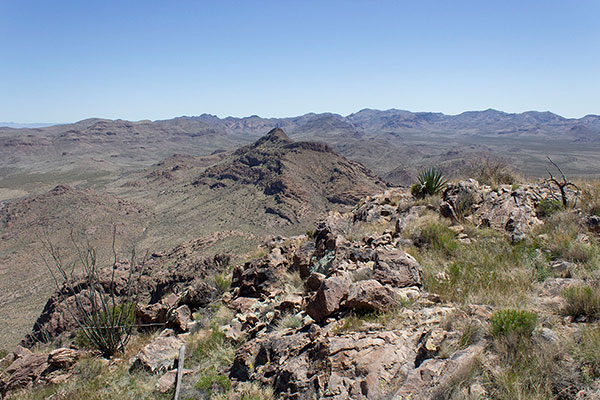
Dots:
{"x": 7, "y": 124}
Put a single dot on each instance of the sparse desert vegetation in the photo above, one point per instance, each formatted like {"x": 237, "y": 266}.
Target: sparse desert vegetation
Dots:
{"x": 499, "y": 305}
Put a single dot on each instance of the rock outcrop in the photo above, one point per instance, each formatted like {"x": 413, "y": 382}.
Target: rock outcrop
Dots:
{"x": 179, "y": 272}
{"x": 505, "y": 209}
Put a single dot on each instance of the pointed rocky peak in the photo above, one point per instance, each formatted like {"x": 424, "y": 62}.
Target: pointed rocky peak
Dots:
{"x": 60, "y": 189}
{"x": 275, "y": 136}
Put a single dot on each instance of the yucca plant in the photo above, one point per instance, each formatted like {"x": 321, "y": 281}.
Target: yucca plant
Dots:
{"x": 430, "y": 182}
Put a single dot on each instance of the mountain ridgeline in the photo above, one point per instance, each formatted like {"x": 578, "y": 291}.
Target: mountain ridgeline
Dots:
{"x": 392, "y": 143}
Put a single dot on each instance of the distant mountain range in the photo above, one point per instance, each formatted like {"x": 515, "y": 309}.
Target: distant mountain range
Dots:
{"x": 392, "y": 143}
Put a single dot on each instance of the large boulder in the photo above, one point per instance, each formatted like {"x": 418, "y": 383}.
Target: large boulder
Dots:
{"x": 158, "y": 356}
{"x": 328, "y": 298}
{"x": 24, "y": 372}
{"x": 396, "y": 267}
{"x": 504, "y": 209}
{"x": 152, "y": 314}
{"x": 307, "y": 365}
{"x": 370, "y": 295}
{"x": 256, "y": 278}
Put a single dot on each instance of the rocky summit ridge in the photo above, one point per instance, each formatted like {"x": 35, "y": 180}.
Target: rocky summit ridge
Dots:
{"x": 382, "y": 301}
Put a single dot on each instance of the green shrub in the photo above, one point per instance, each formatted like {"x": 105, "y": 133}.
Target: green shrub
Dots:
{"x": 470, "y": 333}
{"x": 291, "y": 321}
{"x": 582, "y": 301}
{"x": 512, "y": 330}
{"x": 105, "y": 328}
{"x": 509, "y": 322}
{"x": 532, "y": 375}
{"x": 214, "y": 347}
{"x": 211, "y": 381}
{"x": 562, "y": 231}
{"x": 487, "y": 269}
{"x": 223, "y": 281}
{"x": 436, "y": 235}
{"x": 430, "y": 182}
{"x": 548, "y": 207}
{"x": 590, "y": 197}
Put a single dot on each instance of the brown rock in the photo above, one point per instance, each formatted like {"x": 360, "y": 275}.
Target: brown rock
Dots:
{"x": 593, "y": 223}
{"x": 256, "y": 278}
{"x": 370, "y": 295}
{"x": 167, "y": 381}
{"x": 328, "y": 298}
{"x": 199, "y": 295}
{"x": 292, "y": 301}
{"x": 434, "y": 378}
{"x": 242, "y": 304}
{"x": 301, "y": 258}
{"x": 314, "y": 281}
{"x": 180, "y": 318}
{"x": 276, "y": 259}
{"x": 152, "y": 314}
{"x": 159, "y": 355}
{"x": 23, "y": 372}
{"x": 64, "y": 358}
{"x": 171, "y": 300}
{"x": 301, "y": 365}
{"x": 397, "y": 268}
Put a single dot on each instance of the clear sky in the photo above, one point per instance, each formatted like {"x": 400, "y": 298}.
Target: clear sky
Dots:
{"x": 62, "y": 61}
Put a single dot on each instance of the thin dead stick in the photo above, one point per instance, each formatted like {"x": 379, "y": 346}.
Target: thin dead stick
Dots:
{"x": 179, "y": 372}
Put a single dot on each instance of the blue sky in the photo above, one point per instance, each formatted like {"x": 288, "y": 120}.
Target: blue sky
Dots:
{"x": 62, "y": 61}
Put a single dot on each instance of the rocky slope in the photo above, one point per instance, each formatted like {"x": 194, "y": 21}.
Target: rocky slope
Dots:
{"x": 274, "y": 186}
{"x": 24, "y": 224}
{"x": 379, "y": 302}
{"x": 303, "y": 178}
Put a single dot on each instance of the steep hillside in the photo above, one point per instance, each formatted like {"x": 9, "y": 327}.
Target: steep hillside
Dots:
{"x": 231, "y": 201}
{"x": 24, "y": 279}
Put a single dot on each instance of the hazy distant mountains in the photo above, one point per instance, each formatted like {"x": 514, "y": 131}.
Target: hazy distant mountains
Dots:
{"x": 488, "y": 122}
{"x": 392, "y": 143}
{"x": 18, "y": 125}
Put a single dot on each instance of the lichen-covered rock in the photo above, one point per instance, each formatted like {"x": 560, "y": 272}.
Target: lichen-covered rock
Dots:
{"x": 158, "y": 356}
